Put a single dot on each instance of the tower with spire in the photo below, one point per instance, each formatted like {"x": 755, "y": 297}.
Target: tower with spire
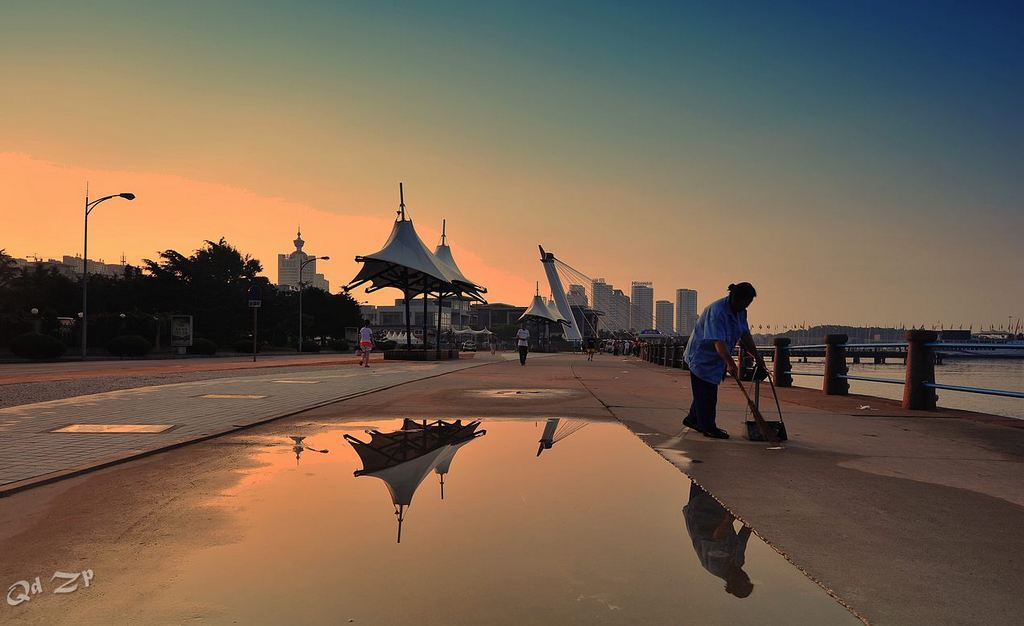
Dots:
{"x": 288, "y": 268}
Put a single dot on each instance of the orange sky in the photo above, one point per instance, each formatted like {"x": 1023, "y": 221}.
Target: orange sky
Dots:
{"x": 862, "y": 169}
{"x": 177, "y": 213}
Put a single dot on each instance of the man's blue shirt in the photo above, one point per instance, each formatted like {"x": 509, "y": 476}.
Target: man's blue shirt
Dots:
{"x": 716, "y": 323}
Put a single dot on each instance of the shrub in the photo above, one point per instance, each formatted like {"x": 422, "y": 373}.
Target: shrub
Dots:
{"x": 310, "y": 346}
{"x": 387, "y": 344}
{"x": 202, "y": 346}
{"x": 129, "y": 345}
{"x": 36, "y": 346}
{"x": 339, "y": 345}
{"x": 244, "y": 346}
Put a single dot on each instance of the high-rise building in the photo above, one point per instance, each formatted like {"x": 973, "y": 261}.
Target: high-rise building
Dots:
{"x": 642, "y": 298}
{"x": 619, "y": 315}
{"x": 577, "y": 296}
{"x": 602, "y": 302}
{"x": 288, "y": 268}
{"x": 663, "y": 317}
{"x": 686, "y": 311}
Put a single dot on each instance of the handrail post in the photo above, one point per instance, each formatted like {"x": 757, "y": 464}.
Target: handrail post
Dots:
{"x": 835, "y": 366}
{"x": 745, "y": 363}
{"x": 920, "y": 370}
{"x": 781, "y": 364}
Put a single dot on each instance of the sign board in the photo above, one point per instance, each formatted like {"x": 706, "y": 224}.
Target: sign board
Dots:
{"x": 181, "y": 331}
{"x": 255, "y": 297}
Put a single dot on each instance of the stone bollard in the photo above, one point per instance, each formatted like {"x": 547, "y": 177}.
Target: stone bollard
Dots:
{"x": 780, "y": 363}
{"x": 920, "y": 370}
{"x": 745, "y": 362}
{"x": 835, "y": 366}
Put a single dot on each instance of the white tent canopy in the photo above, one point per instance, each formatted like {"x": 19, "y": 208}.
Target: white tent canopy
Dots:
{"x": 461, "y": 286}
{"x": 539, "y": 309}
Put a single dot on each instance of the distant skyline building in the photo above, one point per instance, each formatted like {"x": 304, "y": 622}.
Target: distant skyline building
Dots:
{"x": 686, "y": 311}
{"x": 663, "y": 317}
{"x": 620, "y": 311}
{"x": 577, "y": 296}
{"x": 288, "y": 268}
{"x": 71, "y": 266}
{"x": 642, "y": 299}
{"x": 602, "y": 293}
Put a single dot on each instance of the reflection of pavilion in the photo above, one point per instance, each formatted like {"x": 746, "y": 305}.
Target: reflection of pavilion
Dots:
{"x": 403, "y": 458}
{"x": 557, "y": 429}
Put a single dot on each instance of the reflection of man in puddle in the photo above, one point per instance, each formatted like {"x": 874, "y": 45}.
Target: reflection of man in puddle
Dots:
{"x": 719, "y": 547}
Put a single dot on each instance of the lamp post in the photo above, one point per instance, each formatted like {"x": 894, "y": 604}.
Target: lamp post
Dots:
{"x": 301, "y": 266}
{"x": 89, "y": 206}
{"x": 35, "y": 320}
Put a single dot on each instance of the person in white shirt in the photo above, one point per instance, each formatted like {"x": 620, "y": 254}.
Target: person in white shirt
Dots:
{"x": 365, "y": 343}
{"x": 523, "y": 342}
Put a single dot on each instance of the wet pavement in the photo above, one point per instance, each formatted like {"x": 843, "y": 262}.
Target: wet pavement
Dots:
{"x": 907, "y": 517}
{"x": 547, "y": 521}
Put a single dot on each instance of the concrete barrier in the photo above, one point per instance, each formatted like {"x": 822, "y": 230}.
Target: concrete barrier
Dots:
{"x": 781, "y": 365}
{"x": 835, "y": 366}
{"x": 920, "y": 370}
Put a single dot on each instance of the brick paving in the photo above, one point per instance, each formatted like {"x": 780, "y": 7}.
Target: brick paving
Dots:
{"x": 31, "y": 454}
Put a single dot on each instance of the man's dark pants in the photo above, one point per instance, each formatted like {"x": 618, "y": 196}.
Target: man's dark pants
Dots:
{"x": 522, "y": 354}
{"x": 705, "y": 403}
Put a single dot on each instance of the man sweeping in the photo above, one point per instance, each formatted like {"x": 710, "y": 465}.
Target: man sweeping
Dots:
{"x": 709, "y": 355}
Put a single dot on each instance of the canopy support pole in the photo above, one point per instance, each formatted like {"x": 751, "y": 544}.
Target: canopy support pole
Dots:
{"x": 440, "y": 299}
{"x": 408, "y": 315}
{"x": 426, "y": 298}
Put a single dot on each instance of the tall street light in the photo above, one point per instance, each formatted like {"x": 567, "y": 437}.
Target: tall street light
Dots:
{"x": 301, "y": 266}
{"x": 89, "y": 206}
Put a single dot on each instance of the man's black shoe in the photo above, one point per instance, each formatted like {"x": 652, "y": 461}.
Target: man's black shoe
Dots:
{"x": 716, "y": 433}
{"x": 689, "y": 423}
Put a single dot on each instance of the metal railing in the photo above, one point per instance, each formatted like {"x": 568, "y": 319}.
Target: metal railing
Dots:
{"x": 903, "y": 347}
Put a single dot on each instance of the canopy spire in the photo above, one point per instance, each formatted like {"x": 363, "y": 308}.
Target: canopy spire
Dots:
{"x": 401, "y": 200}
{"x": 443, "y": 223}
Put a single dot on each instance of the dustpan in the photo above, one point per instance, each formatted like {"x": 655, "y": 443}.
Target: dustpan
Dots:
{"x": 778, "y": 427}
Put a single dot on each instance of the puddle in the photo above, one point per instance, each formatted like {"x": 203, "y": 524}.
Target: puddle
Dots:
{"x": 524, "y": 393}
{"x": 553, "y": 521}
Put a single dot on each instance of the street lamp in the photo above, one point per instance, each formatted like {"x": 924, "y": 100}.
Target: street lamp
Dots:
{"x": 35, "y": 320}
{"x": 89, "y": 206}
{"x": 302, "y": 265}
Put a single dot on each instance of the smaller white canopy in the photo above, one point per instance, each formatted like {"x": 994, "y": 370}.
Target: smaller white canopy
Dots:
{"x": 540, "y": 310}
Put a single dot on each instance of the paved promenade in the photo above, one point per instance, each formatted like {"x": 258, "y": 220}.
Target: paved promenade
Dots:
{"x": 906, "y": 517}
{"x": 32, "y": 452}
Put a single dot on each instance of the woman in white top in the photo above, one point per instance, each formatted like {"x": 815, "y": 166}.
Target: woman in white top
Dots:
{"x": 365, "y": 343}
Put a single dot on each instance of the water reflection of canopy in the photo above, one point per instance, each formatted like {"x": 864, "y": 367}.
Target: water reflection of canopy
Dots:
{"x": 557, "y": 429}
{"x": 403, "y": 458}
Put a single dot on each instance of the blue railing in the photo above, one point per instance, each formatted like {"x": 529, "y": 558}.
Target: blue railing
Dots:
{"x": 938, "y": 345}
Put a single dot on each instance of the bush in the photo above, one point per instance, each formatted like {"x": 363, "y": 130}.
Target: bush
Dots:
{"x": 202, "y": 346}
{"x": 36, "y": 346}
{"x": 310, "y": 346}
{"x": 387, "y": 344}
{"x": 129, "y": 345}
{"x": 339, "y": 345}
{"x": 244, "y": 346}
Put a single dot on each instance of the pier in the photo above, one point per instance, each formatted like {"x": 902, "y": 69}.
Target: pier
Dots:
{"x": 903, "y": 516}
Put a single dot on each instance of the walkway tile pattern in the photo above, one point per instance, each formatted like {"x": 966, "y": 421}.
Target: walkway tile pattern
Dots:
{"x": 31, "y": 453}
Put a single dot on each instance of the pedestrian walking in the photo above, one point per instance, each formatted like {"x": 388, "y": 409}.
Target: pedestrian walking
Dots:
{"x": 494, "y": 343}
{"x": 523, "y": 343}
{"x": 708, "y": 354}
{"x": 365, "y": 343}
